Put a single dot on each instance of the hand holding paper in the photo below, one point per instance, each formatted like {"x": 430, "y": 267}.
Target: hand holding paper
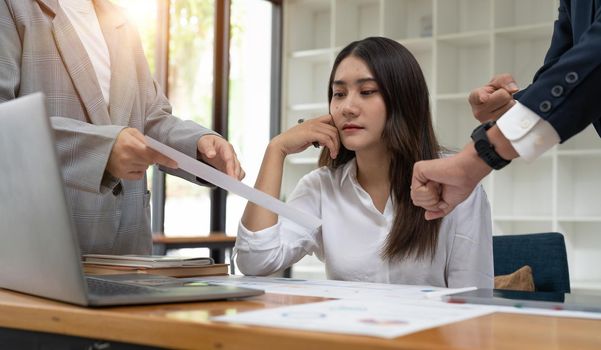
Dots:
{"x": 226, "y": 182}
{"x": 130, "y": 157}
{"x": 218, "y": 153}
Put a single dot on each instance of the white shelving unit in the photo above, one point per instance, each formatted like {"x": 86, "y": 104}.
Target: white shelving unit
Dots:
{"x": 460, "y": 45}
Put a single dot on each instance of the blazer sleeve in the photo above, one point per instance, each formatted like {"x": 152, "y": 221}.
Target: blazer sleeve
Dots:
{"x": 563, "y": 90}
{"x": 10, "y": 55}
{"x": 78, "y": 143}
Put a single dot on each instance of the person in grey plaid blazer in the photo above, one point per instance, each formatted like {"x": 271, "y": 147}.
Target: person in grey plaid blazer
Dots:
{"x": 101, "y": 148}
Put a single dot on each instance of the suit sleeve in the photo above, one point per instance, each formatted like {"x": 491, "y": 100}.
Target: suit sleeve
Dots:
{"x": 561, "y": 92}
{"x": 10, "y": 55}
{"x": 82, "y": 148}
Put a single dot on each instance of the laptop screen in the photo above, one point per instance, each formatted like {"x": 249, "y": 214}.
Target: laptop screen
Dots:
{"x": 39, "y": 253}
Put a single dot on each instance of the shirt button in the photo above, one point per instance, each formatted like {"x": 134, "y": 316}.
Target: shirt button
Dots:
{"x": 557, "y": 90}
{"x": 571, "y": 77}
{"x": 525, "y": 124}
{"x": 544, "y": 106}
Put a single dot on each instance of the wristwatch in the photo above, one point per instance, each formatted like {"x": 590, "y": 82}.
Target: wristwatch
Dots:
{"x": 485, "y": 149}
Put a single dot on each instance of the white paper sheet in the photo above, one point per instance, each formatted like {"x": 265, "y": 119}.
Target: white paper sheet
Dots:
{"x": 360, "y": 317}
{"x": 226, "y": 182}
{"x": 335, "y": 289}
{"x": 375, "y": 309}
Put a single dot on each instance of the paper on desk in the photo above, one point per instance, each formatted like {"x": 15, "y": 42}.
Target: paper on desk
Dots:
{"x": 224, "y": 181}
{"x": 391, "y": 293}
{"x": 362, "y": 317}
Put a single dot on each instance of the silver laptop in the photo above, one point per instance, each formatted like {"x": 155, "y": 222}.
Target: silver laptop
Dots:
{"x": 39, "y": 252}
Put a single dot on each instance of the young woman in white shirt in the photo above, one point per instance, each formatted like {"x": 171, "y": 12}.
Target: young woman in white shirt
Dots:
{"x": 379, "y": 125}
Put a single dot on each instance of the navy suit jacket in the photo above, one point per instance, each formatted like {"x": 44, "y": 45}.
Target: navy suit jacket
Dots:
{"x": 566, "y": 90}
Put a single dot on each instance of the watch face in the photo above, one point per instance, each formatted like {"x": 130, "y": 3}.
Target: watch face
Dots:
{"x": 481, "y": 146}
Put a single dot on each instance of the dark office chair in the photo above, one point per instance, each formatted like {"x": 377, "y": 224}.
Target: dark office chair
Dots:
{"x": 545, "y": 253}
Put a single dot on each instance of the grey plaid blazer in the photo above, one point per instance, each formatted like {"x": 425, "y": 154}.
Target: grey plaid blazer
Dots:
{"x": 40, "y": 51}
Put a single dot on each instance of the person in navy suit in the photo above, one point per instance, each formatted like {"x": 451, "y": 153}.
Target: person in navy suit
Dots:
{"x": 561, "y": 102}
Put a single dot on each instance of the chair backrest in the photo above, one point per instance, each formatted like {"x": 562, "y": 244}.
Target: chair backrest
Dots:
{"x": 545, "y": 253}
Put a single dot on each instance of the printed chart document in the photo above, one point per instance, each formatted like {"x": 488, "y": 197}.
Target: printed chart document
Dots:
{"x": 361, "y": 317}
{"x": 365, "y": 291}
{"x": 224, "y": 181}
{"x": 337, "y": 289}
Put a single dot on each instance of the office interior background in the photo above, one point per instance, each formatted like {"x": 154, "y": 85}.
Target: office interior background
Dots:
{"x": 279, "y": 54}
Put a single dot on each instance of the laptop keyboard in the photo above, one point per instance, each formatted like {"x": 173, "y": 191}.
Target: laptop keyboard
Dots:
{"x": 104, "y": 287}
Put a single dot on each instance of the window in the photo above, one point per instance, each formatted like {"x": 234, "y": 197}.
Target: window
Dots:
{"x": 190, "y": 91}
{"x": 180, "y": 36}
{"x": 249, "y": 96}
{"x": 144, "y": 15}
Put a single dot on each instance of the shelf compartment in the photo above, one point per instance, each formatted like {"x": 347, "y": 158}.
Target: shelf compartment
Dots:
{"x": 510, "y": 13}
{"x": 502, "y": 227}
{"x": 407, "y": 19}
{"x": 582, "y": 242}
{"x": 523, "y": 218}
{"x": 355, "y": 20}
{"x": 527, "y": 32}
{"x": 454, "y": 123}
{"x": 588, "y": 286}
{"x": 421, "y": 49}
{"x": 314, "y": 108}
{"x": 418, "y": 45}
{"x": 588, "y": 141}
{"x": 579, "y": 194}
{"x": 463, "y": 63}
{"x": 590, "y": 219}
{"x": 521, "y": 52}
{"x": 460, "y": 16}
{"x": 308, "y": 80}
{"x": 315, "y": 55}
{"x": 308, "y": 25}
{"x": 457, "y": 97}
{"x": 524, "y": 189}
{"x": 294, "y": 115}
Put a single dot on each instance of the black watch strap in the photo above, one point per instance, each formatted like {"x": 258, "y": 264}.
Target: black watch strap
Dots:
{"x": 485, "y": 149}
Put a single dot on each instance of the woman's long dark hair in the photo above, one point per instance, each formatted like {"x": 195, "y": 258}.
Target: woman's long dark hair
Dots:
{"x": 408, "y": 134}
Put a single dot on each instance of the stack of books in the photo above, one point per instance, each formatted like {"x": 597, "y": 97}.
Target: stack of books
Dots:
{"x": 173, "y": 266}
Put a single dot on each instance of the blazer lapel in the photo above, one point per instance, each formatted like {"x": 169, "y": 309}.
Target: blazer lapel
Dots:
{"x": 123, "y": 74}
{"x": 78, "y": 64}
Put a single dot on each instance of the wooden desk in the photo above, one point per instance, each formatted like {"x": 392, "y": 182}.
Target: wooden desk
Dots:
{"x": 188, "y": 326}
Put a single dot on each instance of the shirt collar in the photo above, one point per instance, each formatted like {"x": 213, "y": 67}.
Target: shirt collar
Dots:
{"x": 349, "y": 170}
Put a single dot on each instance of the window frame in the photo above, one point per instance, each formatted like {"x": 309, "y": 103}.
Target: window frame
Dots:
{"x": 220, "y": 112}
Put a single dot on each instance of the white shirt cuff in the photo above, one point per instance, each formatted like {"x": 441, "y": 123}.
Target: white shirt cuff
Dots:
{"x": 529, "y": 134}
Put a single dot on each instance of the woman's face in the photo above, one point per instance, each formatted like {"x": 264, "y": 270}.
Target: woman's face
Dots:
{"x": 357, "y": 106}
